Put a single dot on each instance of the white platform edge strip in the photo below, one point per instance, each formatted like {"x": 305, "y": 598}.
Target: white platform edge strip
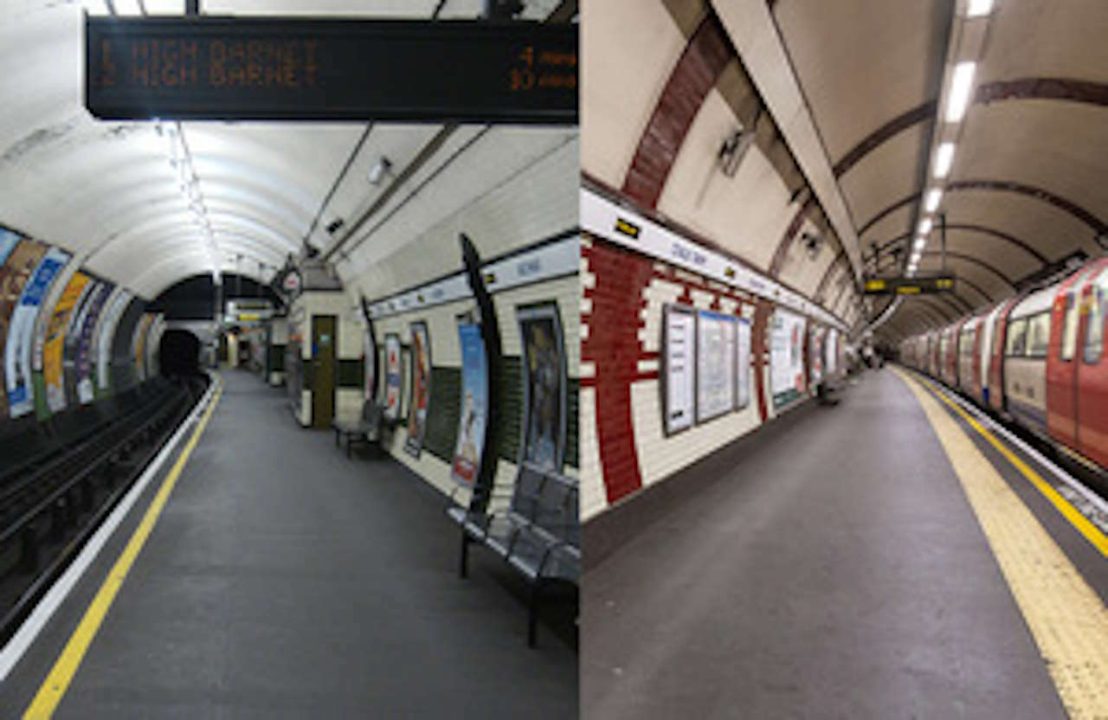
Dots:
{"x": 15, "y": 649}
{"x": 1076, "y": 485}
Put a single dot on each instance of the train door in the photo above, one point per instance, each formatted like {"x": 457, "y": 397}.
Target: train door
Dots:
{"x": 996, "y": 356}
{"x": 1092, "y": 370}
{"x": 324, "y": 344}
{"x": 967, "y": 346}
{"x": 1061, "y": 362}
{"x": 984, "y": 352}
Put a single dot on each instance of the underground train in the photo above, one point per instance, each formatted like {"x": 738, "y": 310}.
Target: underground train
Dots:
{"x": 1036, "y": 360}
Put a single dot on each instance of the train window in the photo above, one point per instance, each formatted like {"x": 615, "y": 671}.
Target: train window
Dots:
{"x": 1017, "y": 337}
{"x": 1038, "y": 334}
{"x": 1069, "y": 329}
{"x": 1094, "y": 333}
{"x": 965, "y": 347}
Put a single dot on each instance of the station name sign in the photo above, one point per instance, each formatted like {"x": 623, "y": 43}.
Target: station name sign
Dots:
{"x": 909, "y": 286}
{"x": 205, "y": 68}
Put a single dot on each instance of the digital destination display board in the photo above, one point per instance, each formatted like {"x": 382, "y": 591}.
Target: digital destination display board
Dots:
{"x": 212, "y": 68}
{"x": 909, "y": 286}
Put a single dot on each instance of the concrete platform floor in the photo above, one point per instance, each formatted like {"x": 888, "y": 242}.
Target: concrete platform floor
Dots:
{"x": 285, "y": 581}
{"x": 828, "y": 566}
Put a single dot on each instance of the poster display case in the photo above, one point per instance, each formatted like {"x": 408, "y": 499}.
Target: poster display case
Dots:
{"x": 715, "y": 364}
{"x": 468, "y": 448}
{"x": 544, "y": 386}
{"x": 786, "y": 341}
{"x": 679, "y": 372}
{"x": 421, "y": 388}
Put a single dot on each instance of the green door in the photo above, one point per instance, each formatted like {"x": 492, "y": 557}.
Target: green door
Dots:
{"x": 324, "y": 341}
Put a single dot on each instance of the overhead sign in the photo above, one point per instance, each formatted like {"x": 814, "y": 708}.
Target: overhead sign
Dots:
{"x": 909, "y": 286}
{"x": 206, "y": 68}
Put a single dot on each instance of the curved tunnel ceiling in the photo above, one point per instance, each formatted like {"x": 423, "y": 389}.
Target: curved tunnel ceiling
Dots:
{"x": 1026, "y": 187}
{"x": 109, "y": 193}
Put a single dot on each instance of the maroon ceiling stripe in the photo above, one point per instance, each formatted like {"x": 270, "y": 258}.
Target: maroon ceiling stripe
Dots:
{"x": 696, "y": 72}
{"x": 883, "y": 134}
{"x": 1041, "y": 88}
{"x": 1046, "y": 196}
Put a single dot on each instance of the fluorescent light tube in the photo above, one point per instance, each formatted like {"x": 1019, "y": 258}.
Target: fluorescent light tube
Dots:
{"x": 944, "y": 158}
{"x": 961, "y": 83}
{"x": 934, "y": 197}
{"x": 977, "y": 8}
{"x": 919, "y": 243}
{"x": 925, "y": 226}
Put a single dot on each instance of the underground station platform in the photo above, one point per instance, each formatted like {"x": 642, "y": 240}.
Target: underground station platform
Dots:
{"x": 908, "y": 562}
{"x": 281, "y": 579}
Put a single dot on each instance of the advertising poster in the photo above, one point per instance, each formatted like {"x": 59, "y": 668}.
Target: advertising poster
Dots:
{"x": 786, "y": 356}
{"x": 742, "y": 365}
{"x": 138, "y": 345}
{"x": 815, "y": 355}
{"x": 52, "y": 375}
{"x": 421, "y": 388}
{"x": 14, "y": 275}
{"x": 475, "y": 406}
{"x": 392, "y": 376}
{"x": 544, "y": 386}
{"x": 18, "y": 371}
{"x": 117, "y": 303}
{"x": 83, "y": 364}
{"x": 715, "y": 364}
{"x": 679, "y": 340}
{"x": 831, "y": 352}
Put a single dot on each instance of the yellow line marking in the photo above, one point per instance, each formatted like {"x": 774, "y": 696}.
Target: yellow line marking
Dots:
{"x": 1065, "y": 616}
{"x": 57, "y": 682}
{"x": 1081, "y": 523}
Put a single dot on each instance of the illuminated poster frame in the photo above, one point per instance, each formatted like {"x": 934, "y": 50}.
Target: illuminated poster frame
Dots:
{"x": 18, "y": 352}
{"x": 418, "y": 406}
{"x": 786, "y": 335}
{"x": 393, "y": 376}
{"x": 543, "y": 433}
{"x": 86, "y": 387}
{"x": 679, "y": 368}
{"x": 743, "y": 370}
{"x": 117, "y": 304}
{"x": 22, "y": 260}
{"x": 715, "y": 366}
{"x": 53, "y": 375}
{"x": 474, "y": 409}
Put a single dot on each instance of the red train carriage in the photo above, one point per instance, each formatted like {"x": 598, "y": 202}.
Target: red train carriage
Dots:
{"x": 1037, "y": 359}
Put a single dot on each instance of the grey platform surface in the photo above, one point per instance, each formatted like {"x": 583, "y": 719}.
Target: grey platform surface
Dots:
{"x": 284, "y": 580}
{"x": 833, "y": 568}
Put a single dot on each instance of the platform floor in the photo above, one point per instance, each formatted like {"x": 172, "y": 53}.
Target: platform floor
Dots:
{"x": 284, "y": 580}
{"x": 828, "y": 566}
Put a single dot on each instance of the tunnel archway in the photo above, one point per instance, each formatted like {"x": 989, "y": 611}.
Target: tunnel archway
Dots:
{"x": 179, "y": 353}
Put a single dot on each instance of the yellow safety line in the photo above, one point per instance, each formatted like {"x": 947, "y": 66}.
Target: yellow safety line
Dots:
{"x": 1066, "y": 618}
{"x": 1081, "y": 523}
{"x": 57, "y": 682}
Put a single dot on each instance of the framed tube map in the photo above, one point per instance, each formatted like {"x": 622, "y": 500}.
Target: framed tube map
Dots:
{"x": 715, "y": 364}
{"x": 474, "y": 408}
{"x": 786, "y": 356}
{"x": 421, "y": 388}
{"x": 679, "y": 341}
{"x": 544, "y": 386}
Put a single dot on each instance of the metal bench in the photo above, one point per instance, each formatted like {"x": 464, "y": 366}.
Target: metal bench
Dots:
{"x": 538, "y": 535}
{"x": 366, "y": 429}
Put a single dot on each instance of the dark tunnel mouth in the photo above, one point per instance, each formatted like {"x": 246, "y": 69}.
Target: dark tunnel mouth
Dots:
{"x": 179, "y": 353}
